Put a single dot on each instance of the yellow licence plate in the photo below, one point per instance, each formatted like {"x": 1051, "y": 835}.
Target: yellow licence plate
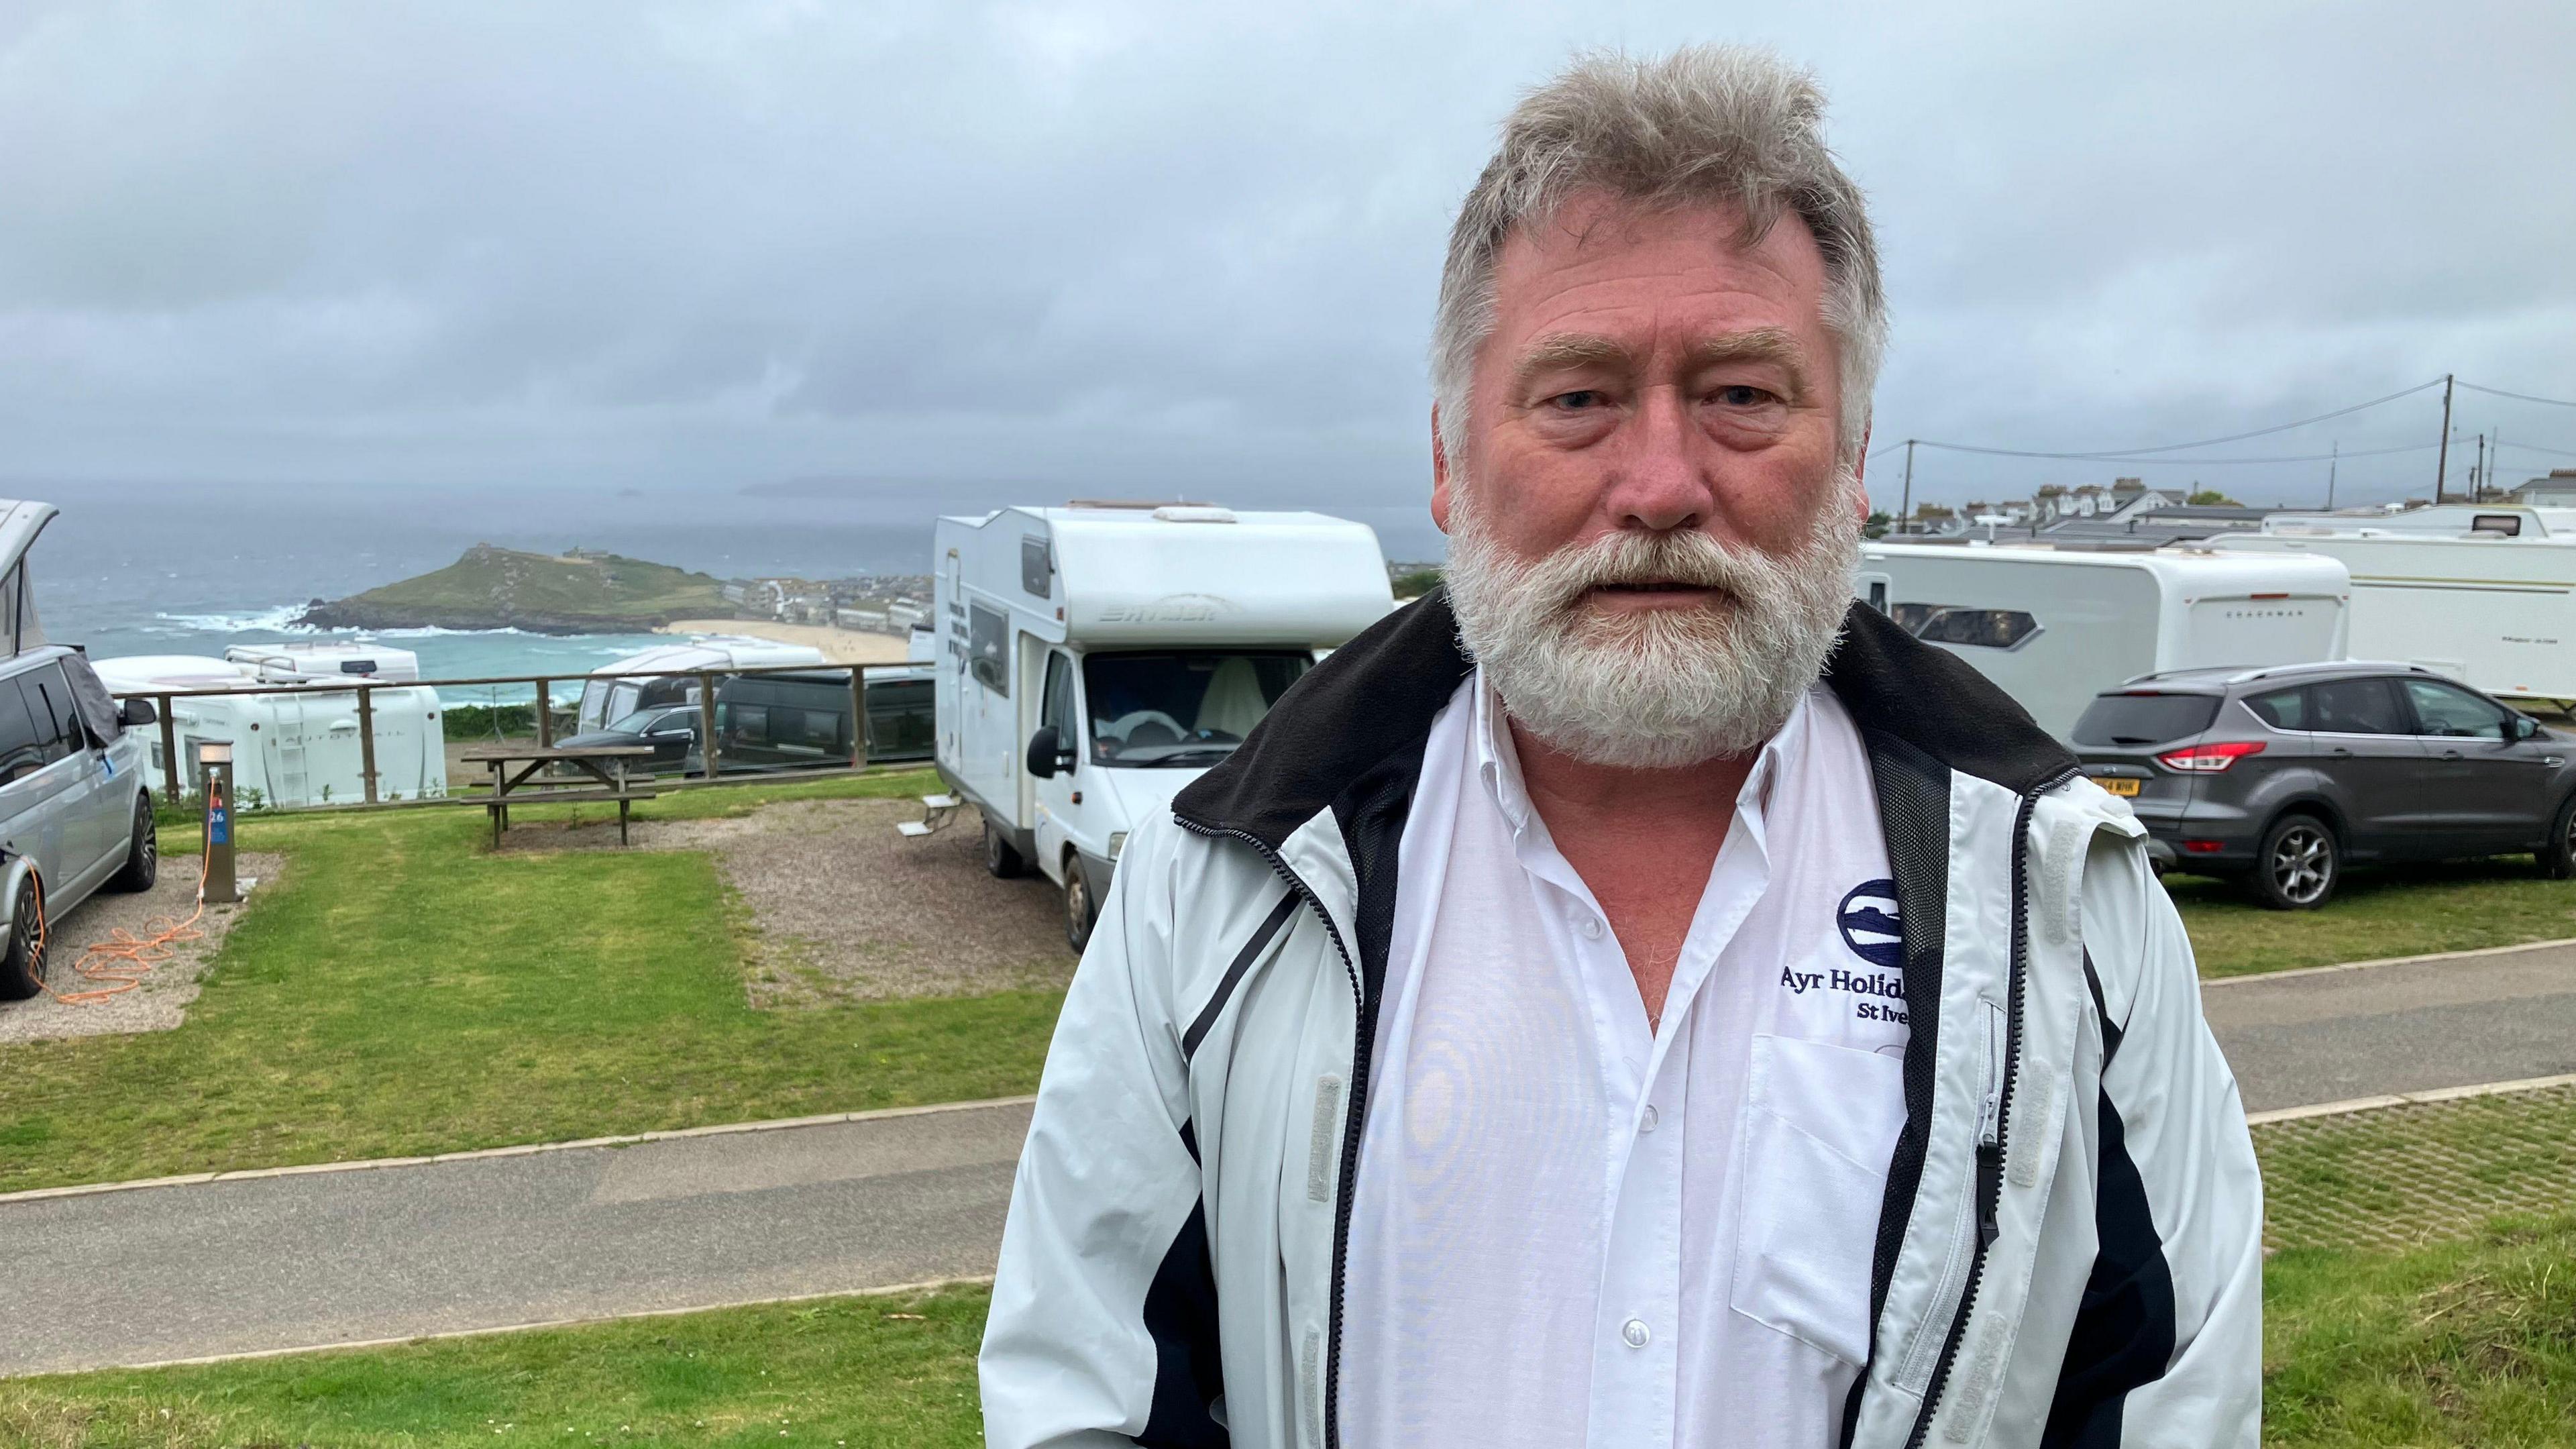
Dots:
{"x": 2117, "y": 784}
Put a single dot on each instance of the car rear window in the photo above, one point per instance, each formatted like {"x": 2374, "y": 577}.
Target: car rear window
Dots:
{"x": 2144, "y": 718}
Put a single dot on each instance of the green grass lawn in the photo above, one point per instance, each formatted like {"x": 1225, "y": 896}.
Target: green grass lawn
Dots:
{"x": 2377, "y": 912}
{"x": 402, "y": 990}
{"x": 2459, "y": 1344}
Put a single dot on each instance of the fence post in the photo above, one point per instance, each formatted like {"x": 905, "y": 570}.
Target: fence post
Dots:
{"x": 545, "y": 717}
{"x": 172, "y": 774}
{"x": 707, "y": 722}
{"x": 367, "y": 739}
{"x": 858, "y": 717}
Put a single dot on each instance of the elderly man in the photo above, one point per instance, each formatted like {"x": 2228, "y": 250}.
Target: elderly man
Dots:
{"x": 1636, "y": 997}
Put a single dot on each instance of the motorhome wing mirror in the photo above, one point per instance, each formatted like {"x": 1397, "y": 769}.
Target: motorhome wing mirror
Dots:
{"x": 136, "y": 713}
{"x": 1047, "y": 755}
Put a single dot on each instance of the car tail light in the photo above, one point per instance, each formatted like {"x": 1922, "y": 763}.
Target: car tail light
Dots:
{"x": 2209, "y": 759}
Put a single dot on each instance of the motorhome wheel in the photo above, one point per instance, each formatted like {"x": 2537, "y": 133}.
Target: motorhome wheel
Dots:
{"x": 143, "y": 855}
{"x": 1078, "y": 912}
{"x": 999, "y": 856}
{"x": 22, "y": 969}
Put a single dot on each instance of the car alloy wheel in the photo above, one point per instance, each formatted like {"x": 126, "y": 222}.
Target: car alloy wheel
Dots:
{"x": 2302, "y": 864}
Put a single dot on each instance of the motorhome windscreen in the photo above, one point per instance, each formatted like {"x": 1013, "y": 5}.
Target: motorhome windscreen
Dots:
{"x": 1182, "y": 709}
{"x": 2144, "y": 719}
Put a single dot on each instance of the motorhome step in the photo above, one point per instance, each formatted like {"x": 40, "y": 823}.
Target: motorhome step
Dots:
{"x": 939, "y": 802}
{"x": 912, "y": 828}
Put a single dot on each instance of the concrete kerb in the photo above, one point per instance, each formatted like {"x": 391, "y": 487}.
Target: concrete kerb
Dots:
{"x": 2405, "y": 1099}
{"x": 891, "y": 1290}
{"x": 370, "y": 1164}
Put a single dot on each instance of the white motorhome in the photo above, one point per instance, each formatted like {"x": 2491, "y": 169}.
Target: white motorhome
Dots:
{"x": 604, "y": 701}
{"x": 1094, "y": 659}
{"x": 2054, "y": 627}
{"x": 2486, "y": 595}
{"x": 298, "y": 744}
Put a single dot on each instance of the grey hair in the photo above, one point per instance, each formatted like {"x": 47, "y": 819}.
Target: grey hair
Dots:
{"x": 1710, "y": 124}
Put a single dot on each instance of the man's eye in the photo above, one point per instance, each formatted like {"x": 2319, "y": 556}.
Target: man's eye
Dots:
{"x": 1577, "y": 400}
{"x": 1742, "y": 395}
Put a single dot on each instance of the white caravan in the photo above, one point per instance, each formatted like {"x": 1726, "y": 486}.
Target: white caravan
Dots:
{"x": 295, "y": 745}
{"x": 2054, "y": 627}
{"x": 2485, "y": 595}
{"x": 604, "y": 701}
{"x": 1094, "y": 659}
{"x": 329, "y": 660}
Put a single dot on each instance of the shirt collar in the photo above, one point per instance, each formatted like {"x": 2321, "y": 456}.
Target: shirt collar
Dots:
{"x": 1498, "y": 762}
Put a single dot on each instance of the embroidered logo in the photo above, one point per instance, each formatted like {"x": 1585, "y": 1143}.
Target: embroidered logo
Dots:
{"x": 1868, "y": 918}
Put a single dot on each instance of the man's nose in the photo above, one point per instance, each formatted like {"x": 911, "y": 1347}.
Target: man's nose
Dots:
{"x": 1657, "y": 482}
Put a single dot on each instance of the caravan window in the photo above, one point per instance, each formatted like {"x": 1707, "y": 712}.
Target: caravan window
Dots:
{"x": 988, "y": 644}
{"x": 1035, "y": 575}
{"x": 1182, "y": 709}
{"x": 1983, "y": 628}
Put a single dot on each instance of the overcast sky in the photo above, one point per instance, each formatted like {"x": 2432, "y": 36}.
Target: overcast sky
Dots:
{"x": 1192, "y": 248}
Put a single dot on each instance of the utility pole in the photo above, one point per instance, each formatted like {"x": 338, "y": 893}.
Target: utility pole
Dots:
{"x": 1905, "y": 510}
{"x": 2478, "y": 473}
{"x": 2334, "y": 460}
{"x": 2442, "y": 464}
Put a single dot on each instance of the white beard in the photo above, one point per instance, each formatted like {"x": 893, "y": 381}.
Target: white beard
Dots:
{"x": 1656, "y": 688}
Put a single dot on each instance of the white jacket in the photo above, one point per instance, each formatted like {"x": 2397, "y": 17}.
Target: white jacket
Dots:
{"x": 2069, "y": 1252}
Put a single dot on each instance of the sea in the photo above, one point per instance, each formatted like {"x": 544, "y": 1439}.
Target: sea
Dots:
{"x": 132, "y": 569}
{"x": 129, "y": 570}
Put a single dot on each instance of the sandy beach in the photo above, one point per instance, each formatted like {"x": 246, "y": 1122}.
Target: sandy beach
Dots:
{"x": 839, "y": 646}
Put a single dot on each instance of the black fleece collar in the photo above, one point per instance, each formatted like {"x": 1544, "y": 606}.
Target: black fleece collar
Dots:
{"x": 1376, "y": 696}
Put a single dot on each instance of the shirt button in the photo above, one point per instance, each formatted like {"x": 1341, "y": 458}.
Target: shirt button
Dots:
{"x": 1633, "y": 1333}
{"x": 1648, "y": 1125}
{"x": 1591, "y": 928}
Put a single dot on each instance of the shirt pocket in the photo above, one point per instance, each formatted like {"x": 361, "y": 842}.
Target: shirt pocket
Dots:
{"x": 1820, "y": 1122}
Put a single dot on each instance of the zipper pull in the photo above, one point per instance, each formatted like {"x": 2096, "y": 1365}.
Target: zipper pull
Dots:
{"x": 1990, "y": 1131}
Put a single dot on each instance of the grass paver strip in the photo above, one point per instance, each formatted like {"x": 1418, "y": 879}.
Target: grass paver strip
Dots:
{"x": 405, "y": 991}
{"x": 2397, "y": 1177}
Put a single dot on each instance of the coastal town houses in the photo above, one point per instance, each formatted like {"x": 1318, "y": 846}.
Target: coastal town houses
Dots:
{"x": 2558, "y": 490}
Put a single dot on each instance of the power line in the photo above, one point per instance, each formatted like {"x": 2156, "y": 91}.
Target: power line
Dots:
{"x": 2119, "y": 455}
{"x": 2556, "y": 402}
{"x": 2178, "y": 462}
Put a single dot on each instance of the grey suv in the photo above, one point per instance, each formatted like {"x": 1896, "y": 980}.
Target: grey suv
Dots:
{"x": 2280, "y": 776}
{"x": 75, "y": 807}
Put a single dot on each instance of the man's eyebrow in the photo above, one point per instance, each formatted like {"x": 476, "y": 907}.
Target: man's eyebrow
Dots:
{"x": 1568, "y": 349}
{"x": 1759, "y": 344}
{"x": 1774, "y": 345}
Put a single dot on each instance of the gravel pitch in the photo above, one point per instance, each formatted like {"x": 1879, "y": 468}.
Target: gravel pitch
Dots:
{"x": 844, "y": 909}
{"x": 160, "y": 1002}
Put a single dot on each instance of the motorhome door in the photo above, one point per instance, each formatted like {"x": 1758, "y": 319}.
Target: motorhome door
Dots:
{"x": 1058, "y": 823}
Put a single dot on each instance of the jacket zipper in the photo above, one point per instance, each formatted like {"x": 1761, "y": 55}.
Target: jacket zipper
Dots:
{"x": 1994, "y": 1107}
{"x": 1361, "y": 1045}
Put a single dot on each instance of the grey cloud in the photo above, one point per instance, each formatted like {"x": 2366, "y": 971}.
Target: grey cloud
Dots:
{"x": 700, "y": 246}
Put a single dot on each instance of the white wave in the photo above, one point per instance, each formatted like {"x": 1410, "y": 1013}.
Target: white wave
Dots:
{"x": 279, "y": 620}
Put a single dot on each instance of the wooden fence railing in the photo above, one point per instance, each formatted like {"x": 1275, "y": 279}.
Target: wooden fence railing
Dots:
{"x": 708, "y": 679}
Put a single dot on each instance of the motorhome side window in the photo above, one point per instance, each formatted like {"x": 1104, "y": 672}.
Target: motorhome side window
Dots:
{"x": 1182, "y": 708}
{"x": 988, "y": 641}
{"x": 22, "y": 752}
{"x": 1035, "y": 575}
{"x": 1982, "y": 628}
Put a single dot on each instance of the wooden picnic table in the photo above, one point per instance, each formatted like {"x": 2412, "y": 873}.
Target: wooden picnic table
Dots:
{"x": 605, "y": 764}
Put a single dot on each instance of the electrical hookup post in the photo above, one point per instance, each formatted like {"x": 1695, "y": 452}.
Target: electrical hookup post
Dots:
{"x": 215, "y": 768}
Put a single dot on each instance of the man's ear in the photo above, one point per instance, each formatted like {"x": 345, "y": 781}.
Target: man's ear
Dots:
{"x": 1439, "y": 475}
{"x": 1860, "y": 475}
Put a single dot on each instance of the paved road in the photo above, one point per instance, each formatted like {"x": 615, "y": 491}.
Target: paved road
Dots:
{"x": 345, "y": 1257}
{"x": 2336, "y": 1035}
{"x": 299, "y": 1261}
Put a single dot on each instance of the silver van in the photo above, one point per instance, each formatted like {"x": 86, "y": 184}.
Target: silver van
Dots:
{"x": 75, "y": 802}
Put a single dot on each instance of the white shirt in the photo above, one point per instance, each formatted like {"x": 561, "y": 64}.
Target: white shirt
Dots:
{"x": 1569, "y": 1230}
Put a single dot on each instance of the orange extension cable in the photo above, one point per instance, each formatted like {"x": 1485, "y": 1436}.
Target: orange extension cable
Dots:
{"x": 120, "y": 962}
